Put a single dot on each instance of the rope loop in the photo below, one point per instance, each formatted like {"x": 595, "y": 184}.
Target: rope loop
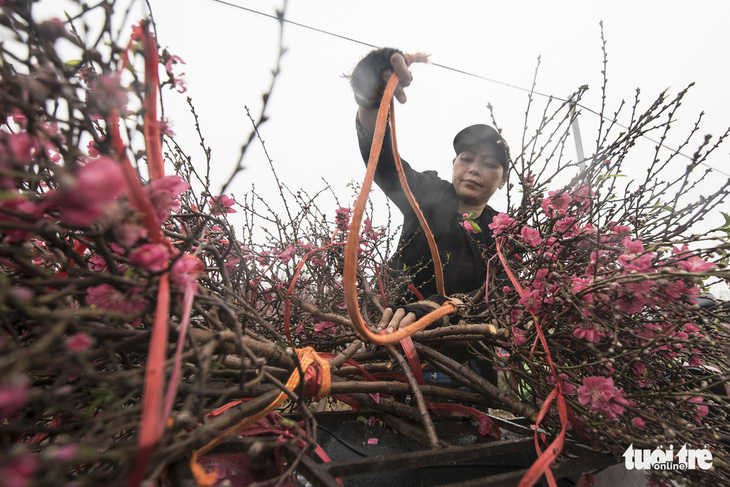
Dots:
{"x": 386, "y": 112}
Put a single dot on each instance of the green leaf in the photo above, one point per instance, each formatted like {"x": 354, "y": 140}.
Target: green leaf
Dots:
{"x": 72, "y": 63}
{"x": 475, "y": 226}
{"x": 102, "y": 396}
{"x": 362, "y": 419}
{"x": 725, "y": 227}
{"x": 287, "y": 422}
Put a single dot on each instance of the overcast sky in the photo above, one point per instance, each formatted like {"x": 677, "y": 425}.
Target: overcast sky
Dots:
{"x": 652, "y": 45}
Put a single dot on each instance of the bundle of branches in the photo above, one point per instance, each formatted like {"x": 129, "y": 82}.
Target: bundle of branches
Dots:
{"x": 101, "y": 259}
{"x": 132, "y": 314}
{"x": 609, "y": 308}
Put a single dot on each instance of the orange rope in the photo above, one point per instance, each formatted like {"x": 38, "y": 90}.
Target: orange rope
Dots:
{"x": 353, "y": 239}
{"x": 307, "y": 356}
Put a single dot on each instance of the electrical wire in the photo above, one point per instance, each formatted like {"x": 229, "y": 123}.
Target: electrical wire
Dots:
{"x": 280, "y": 17}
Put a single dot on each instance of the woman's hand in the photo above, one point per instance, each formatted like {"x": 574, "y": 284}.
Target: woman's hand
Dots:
{"x": 370, "y": 77}
{"x": 395, "y": 318}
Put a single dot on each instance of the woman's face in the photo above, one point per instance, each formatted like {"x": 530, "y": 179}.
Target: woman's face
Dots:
{"x": 477, "y": 174}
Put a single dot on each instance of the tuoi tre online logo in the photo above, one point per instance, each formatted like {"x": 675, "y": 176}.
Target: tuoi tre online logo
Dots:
{"x": 660, "y": 459}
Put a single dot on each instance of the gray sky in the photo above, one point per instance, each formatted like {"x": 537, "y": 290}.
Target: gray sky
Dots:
{"x": 230, "y": 52}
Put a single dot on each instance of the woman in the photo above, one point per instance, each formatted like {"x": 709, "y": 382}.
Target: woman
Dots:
{"x": 480, "y": 168}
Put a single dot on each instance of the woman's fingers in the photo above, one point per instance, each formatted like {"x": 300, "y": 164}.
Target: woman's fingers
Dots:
{"x": 401, "y": 69}
{"x": 409, "y": 319}
{"x": 398, "y": 62}
{"x": 392, "y": 321}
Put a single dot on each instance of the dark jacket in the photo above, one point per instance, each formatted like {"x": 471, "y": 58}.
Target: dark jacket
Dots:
{"x": 461, "y": 251}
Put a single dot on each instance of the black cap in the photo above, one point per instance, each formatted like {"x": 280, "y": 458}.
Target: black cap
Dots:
{"x": 480, "y": 134}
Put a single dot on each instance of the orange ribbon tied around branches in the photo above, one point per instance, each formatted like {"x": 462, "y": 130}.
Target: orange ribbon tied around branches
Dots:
{"x": 385, "y": 112}
{"x": 307, "y": 357}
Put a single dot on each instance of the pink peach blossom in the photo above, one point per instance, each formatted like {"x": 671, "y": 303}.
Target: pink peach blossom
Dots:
{"x": 14, "y": 394}
{"x": 97, "y": 184}
{"x": 185, "y": 271}
{"x": 602, "y": 396}
{"x": 342, "y": 218}
{"x": 78, "y": 342}
{"x": 467, "y": 226}
{"x": 221, "y": 205}
{"x": 105, "y": 296}
{"x": 153, "y": 257}
{"x": 590, "y": 332}
{"x": 531, "y": 236}
{"x": 164, "y": 194}
{"x": 500, "y": 222}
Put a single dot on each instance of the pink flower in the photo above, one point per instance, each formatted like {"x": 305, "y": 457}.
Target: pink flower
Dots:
{"x": 638, "y": 422}
{"x": 185, "y": 271}
{"x": 500, "y": 222}
{"x": 695, "y": 264}
{"x": 702, "y": 410}
{"x": 620, "y": 229}
{"x": 567, "y": 227}
{"x": 583, "y": 194}
{"x": 531, "y": 236}
{"x": 486, "y": 427}
{"x": 106, "y": 94}
{"x": 565, "y": 386}
{"x": 164, "y": 194}
{"x": 634, "y": 296}
{"x": 556, "y": 203}
{"x": 78, "y": 342}
{"x": 287, "y": 254}
{"x": 177, "y": 81}
{"x": 639, "y": 369}
{"x": 153, "y": 257}
{"x": 531, "y": 300}
{"x": 695, "y": 359}
{"x": 18, "y": 209}
{"x": 105, "y": 296}
{"x": 371, "y": 233}
{"x": 342, "y": 218}
{"x": 323, "y": 327}
{"x": 165, "y": 127}
{"x": 97, "y": 184}
{"x": 677, "y": 288}
{"x": 518, "y": 336}
{"x": 97, "y": 263}
{"x": 14, "y": 394}
{"x": 21, "y": 148}
{"x": 171, "y": 61}
{"x": 602, "y": 396}
{"x": 640, "y": 264}
{"x": 690, "y": 328}
{"x": 372, "y": 441}
{"x": 373, "y": 421}
{"x": 467, "y": 226}
{"x": 222, "y": 205}
{"x": 591, "y": 332}
{"x": 633, "y": 246}
{"x": 129, "y": 232}
{"x": 263, "y": 257}
{"x": 19, "y": 471}
{"x": 65, "y": 453}
{"x": 577, "y": 284}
